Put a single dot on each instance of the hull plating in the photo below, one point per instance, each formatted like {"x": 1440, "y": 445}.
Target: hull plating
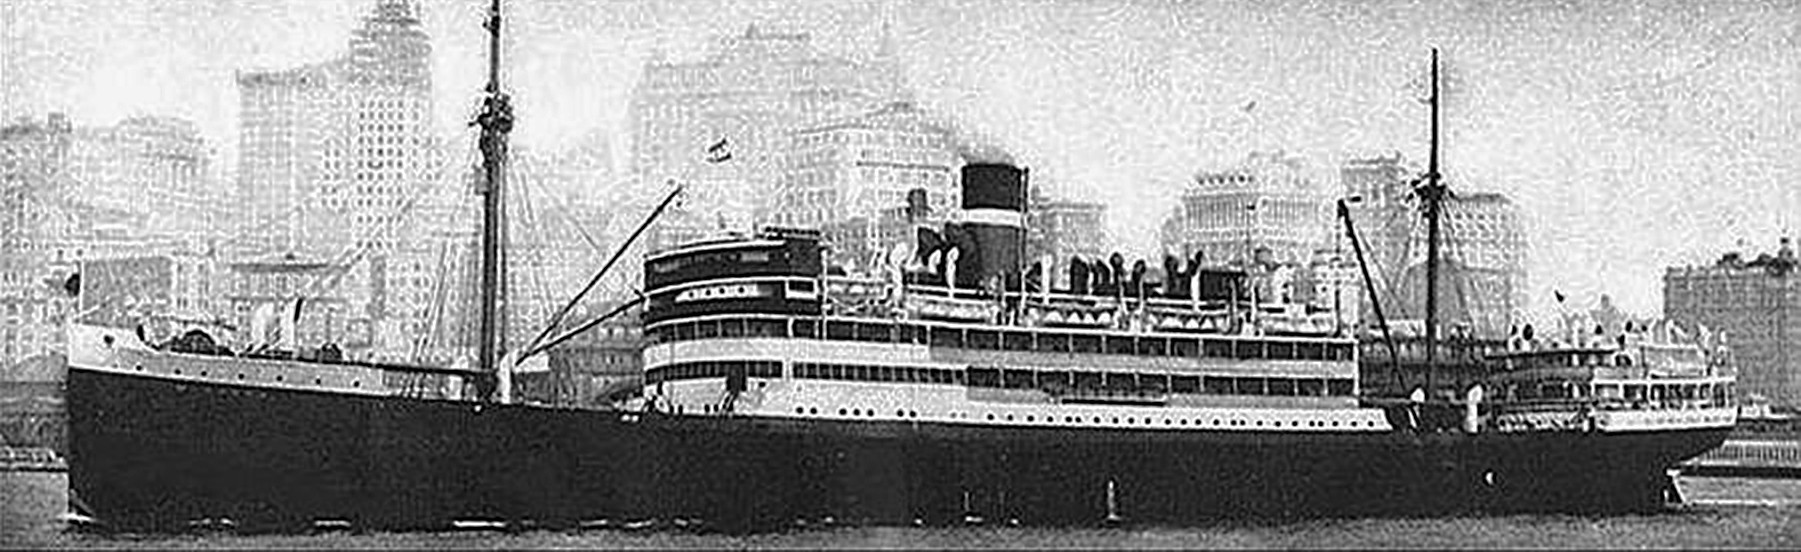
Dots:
{"x": 153, "y": 453}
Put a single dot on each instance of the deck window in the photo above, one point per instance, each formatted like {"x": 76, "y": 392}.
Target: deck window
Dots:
{"x": 984, "y": 377}
{"x": 1119, "y": 344}
{"x": 1310, "y": 387}
{"x": 947, "y": 337}
{"x": 979, "y": 339}
{"x": 1016, "y": 341}
{"x": 1281, "y": 387}
{"x": 1082, "y": 343}
{"x": 1282, "y": 350}
{"x": 836, "y": 330}
{"x": 1341, "y": 387}
{"x": 806, "y": 329}
{"x": 1186, "y": 348}
{"x": 1153, "y": 383}
{"x": 1088, "y": 380}
{"x": 1246, "y": 350}
{"x": 874, "y": 332}
{"x": 1248, "y": 386}
{"x": 1153, "y": 346}
{"x": 1017, "y": 379}
{"x": 1215, "y": 385}
{"x": 1310, "y": 351}
{"x": 1216, "y": 348}
{"x": 1185, "y": 384}
{"x": 768, "y": 328}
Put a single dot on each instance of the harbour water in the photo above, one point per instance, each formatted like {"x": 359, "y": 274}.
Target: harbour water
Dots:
{"x": 1722, "y": 512}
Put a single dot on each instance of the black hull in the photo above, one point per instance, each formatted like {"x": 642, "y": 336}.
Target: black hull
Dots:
{"x": 149, "y": 453}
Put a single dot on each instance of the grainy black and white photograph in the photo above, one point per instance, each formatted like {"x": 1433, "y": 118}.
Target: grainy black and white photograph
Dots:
{"x": 964, "y": 274}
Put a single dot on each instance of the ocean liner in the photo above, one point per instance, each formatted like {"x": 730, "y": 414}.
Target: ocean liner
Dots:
{"x": 949, "y": 385}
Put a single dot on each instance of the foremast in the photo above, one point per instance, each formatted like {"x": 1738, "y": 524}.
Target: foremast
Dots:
{"x": 495, "y": 120}
{"x": 1431, "y": 195}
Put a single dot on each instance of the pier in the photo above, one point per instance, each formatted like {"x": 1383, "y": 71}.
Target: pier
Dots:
{"x": 1749, "y": 458}
{"x": 31, "y": 459}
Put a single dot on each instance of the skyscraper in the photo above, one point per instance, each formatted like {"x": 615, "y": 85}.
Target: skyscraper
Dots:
{"x": 751, "y": 92}
{"x": 337, "y": 159}
{"x": 862, "y": 168}
{"x": 1483, "y": 283}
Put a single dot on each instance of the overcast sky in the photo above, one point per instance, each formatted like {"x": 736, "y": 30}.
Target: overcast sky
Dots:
{"x": 1634, "y": 134}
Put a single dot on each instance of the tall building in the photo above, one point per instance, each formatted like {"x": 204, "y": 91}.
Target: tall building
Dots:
{"x": 157, "y": 168}
{"x": 1756, "y": 306}
{"x": 751, "y": 92}
{"x": 851, "y": 177}
{"x": 335, "y": 158}
{"x": 1268, "y": 202}
{"x": 1063, "y": 228}
{"x": 1482, "y": 247}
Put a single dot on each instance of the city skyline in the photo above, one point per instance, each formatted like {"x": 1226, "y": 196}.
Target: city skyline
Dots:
{"x": 1633, "y": 137}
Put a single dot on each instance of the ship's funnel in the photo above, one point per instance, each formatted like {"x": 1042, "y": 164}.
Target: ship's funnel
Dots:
{"x": 994, "y": 218}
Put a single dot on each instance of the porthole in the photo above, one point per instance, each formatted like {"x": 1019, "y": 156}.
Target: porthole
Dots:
{"x": 900, "y": 413}
{"x": 177, "y": 371}
{"x": 317, "y": 381}
{"x": 1129, "y": 421}
{"x": 813, "y": 411}
{"x": 840, "y": 412}
{"x": 1182, "y": 422}
{"x": 1216, "y": 422}
{"x": 240, "y": 375}
{"x": 991, "y": 417}
{"x": 1116, "y": 419}
{"x": 356, "y": 384}
{"x": 1097, "y": 419}
{"x": 1031, "y": 418}
{"x": 203, "y": 373}
{"x": 1166, "y": 421}
{"x": 140, "y": 367}
{"x": 1009, "y": 417}
{"x": 278, "y": 377}
{"x": 799, "y": 410}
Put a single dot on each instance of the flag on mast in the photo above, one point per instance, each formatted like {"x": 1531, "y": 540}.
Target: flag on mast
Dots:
{"x": 719, "y": 152}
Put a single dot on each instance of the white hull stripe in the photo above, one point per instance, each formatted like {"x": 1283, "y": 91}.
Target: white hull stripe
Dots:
{"x": 996, "y": 217}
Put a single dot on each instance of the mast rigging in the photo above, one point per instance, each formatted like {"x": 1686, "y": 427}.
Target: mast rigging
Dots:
{"x": 495, "y": 120}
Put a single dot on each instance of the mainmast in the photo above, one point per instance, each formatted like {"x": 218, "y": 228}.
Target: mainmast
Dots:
{"x": 1432, "y": 196}
{"x": 496, "y": 120}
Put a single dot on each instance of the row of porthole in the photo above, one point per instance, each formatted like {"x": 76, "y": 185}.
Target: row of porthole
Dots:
{"x": 1031, "y": 418}
{"x": 857, "y": 412}
{"x": 278, "y": 377}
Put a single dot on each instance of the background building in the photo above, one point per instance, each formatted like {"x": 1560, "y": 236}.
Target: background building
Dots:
{"x": 338, "y": 157}
{"x": 1756, "y": 305}
{"x": 1483, "y": 283}
{"x": 1266, "y": 203}
{"x": 851, "y": 178}
{"x": 157, "y": 169}
{"x": 753, "y": 91}
{"x": 1062, "y": 228}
